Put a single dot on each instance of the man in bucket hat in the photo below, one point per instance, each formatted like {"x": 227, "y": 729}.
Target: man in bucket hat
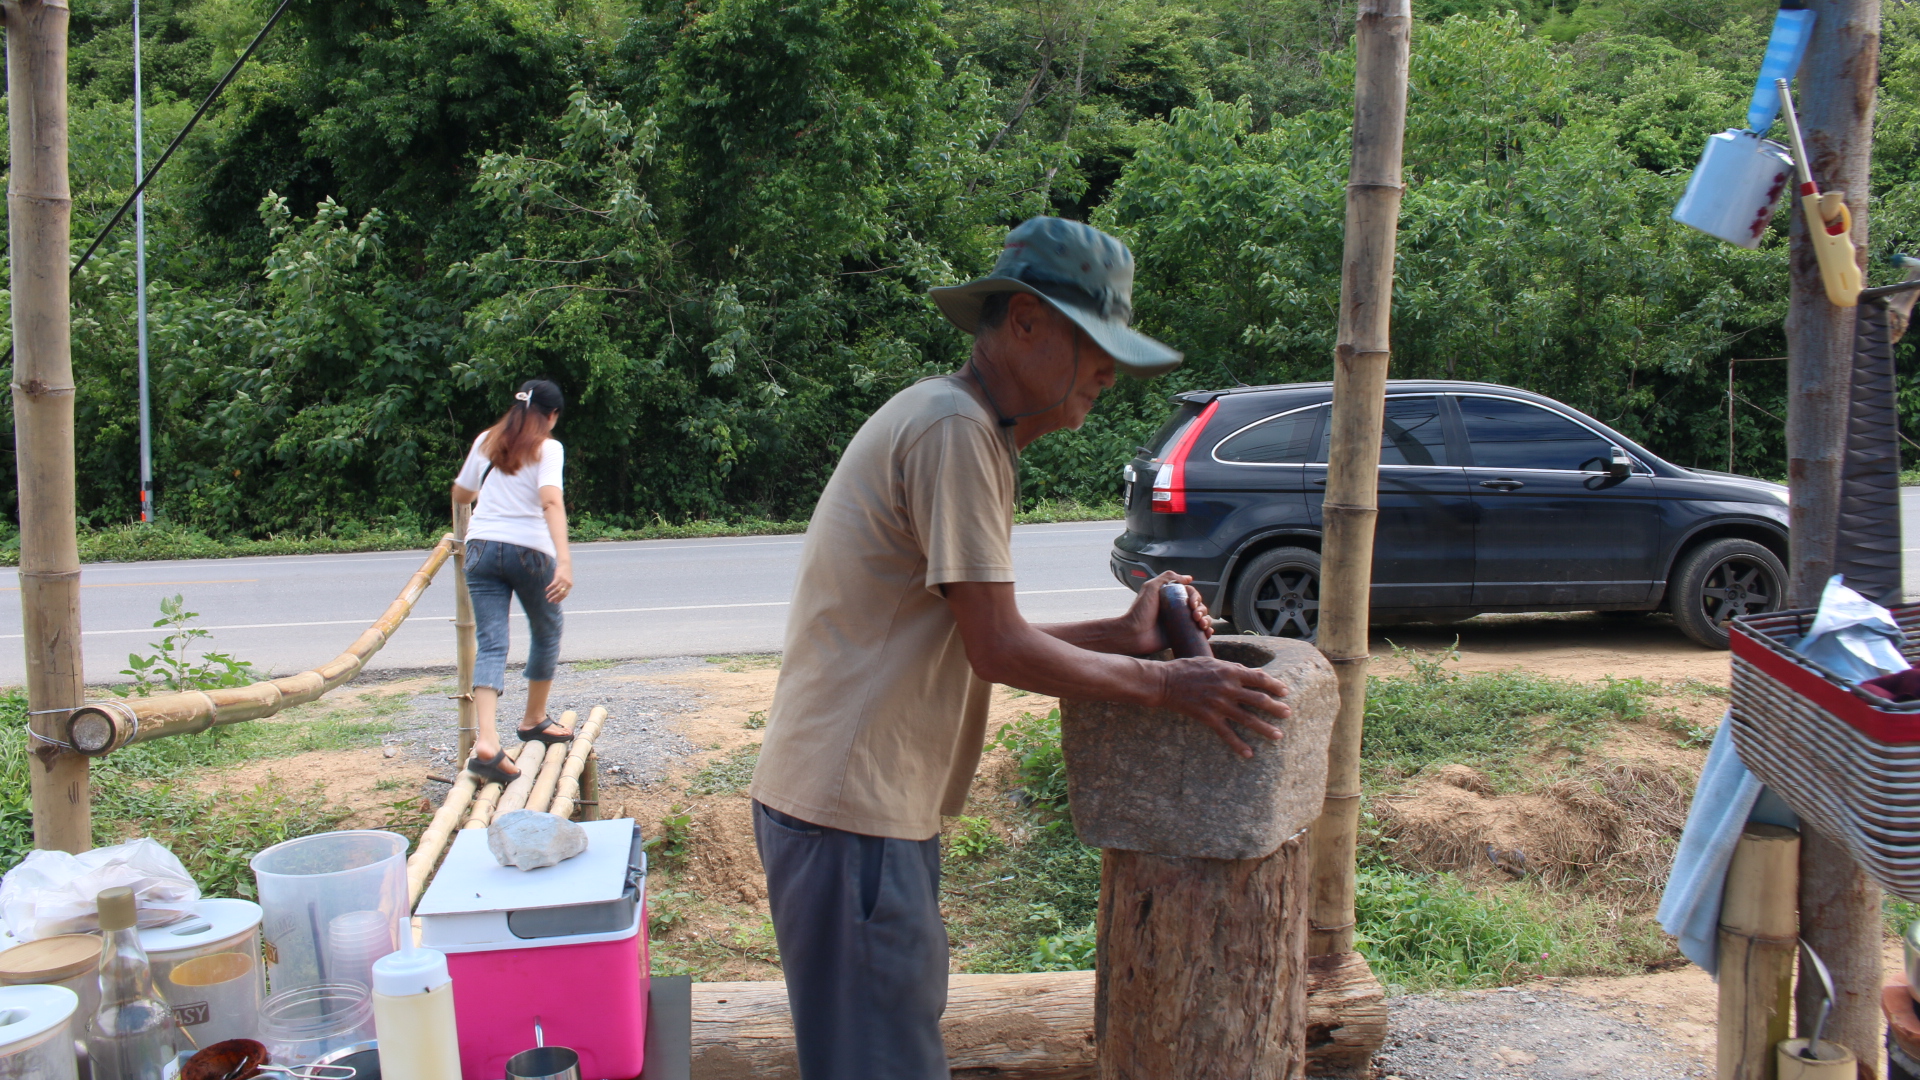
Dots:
{"x": 902, "y": 619}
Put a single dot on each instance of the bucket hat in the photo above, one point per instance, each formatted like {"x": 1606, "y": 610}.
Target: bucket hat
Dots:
{"x": 1083, "y": 273}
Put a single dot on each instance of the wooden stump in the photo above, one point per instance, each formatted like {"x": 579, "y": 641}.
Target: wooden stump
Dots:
{"x": 1201, "y": 966}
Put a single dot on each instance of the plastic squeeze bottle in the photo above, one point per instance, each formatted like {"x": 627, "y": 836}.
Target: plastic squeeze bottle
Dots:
{"x": 413, "y": 1016}
{"x": 131, "y": 1035}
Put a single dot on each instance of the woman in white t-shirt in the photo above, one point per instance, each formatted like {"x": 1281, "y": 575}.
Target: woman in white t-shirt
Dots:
{"x": 516, "y": 546}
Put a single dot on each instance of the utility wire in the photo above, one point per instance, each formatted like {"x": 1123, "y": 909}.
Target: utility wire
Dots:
{"x": 177, "y": 140}
{"x": 212, "y": 95}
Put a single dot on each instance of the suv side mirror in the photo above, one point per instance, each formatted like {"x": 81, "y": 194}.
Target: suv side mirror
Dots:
{"x": 1616, "y": 468}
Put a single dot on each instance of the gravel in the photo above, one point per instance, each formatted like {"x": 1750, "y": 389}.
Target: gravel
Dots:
{"x": 635, "y": 744}
{"x": 1526, "y": 1035}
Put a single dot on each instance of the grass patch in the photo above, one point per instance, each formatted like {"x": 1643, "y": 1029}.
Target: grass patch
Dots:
{"x": 727, "y": 775}
{"x": 739, "y": 662}
{"x": 169, "y": 540}
{"x": 1427, "y": 931}
{"x": 1484, "y": 719}
{"x": 594, "y": 665}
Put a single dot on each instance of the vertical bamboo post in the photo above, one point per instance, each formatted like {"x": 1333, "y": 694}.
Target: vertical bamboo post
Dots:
{"x": 1757, "y": 943}
{"x": 464, "y": 644}
{"x": 1839, "y": 905}
{"x": 1359, "y": 394}
{"x": 39, "y": 227}
{"x": 590, "y": 788}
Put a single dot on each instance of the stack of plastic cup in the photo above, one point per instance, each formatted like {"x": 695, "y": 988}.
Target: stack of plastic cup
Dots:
{"x": 354, "y": 941}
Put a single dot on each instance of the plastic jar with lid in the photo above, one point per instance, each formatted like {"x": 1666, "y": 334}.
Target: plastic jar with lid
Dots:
{"x": 69, "y": 960}
{"x": 302, "y": 1025}
{"x": 34, "y": 1044}
{"x": 208, "y": 968}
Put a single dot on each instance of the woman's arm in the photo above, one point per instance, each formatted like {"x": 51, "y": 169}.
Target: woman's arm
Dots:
{"x": 555, "y": 509}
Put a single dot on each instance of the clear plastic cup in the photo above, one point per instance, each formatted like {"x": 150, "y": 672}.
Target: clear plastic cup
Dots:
{"x": 306, "y": 884}
{"x": 354, "y": 941}
{"x": 299, "y": 1027}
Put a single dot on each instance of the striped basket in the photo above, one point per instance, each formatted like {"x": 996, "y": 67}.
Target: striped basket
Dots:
{"x": 1847, "y": 762}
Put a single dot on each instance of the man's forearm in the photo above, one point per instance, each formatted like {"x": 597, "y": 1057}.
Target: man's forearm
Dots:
{"x": 1047, "y": 660}
{"x": 1094, "y": 635}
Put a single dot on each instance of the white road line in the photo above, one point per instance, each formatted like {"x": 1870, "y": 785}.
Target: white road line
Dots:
{"x": 518, "y": 615}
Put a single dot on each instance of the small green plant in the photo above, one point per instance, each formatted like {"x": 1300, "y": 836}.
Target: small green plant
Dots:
{"x": 592, "y": 665}
{"x": 756, "y": 720}
{"x": 171, "y": 665}
{"x": 667, "y": 910}
{"x": 669, "y": 846}
{"x": 727, "y": 775}
{"x": 972, "y": 838}
{"x": 1071, "y": 951}
{"x": 1034, "y": 742}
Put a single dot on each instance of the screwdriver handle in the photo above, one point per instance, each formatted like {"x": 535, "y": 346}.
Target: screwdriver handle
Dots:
{"x": 1176, "y": 623}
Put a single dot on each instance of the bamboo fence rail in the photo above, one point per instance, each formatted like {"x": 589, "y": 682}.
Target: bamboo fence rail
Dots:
{"x": 101, "y": 727}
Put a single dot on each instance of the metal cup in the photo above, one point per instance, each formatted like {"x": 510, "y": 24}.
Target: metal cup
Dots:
{"x": 544, "y": 1063}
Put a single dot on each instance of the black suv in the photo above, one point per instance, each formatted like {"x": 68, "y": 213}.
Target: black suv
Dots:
{"x": 1491, "y": 499}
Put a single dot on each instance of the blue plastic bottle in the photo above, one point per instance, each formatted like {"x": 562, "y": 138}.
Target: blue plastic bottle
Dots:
{"x": 1792, "y": 29}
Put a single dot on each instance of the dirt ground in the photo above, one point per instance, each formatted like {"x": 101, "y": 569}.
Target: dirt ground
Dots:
{"x": 671, "y": 719}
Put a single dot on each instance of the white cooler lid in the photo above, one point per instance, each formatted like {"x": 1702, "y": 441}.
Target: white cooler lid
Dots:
{"x": 212, "y": 920}
{"x": 470, "y": 881}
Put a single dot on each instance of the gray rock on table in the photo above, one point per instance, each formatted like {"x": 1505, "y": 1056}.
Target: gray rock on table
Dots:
{"x": 1146, "y": 779}
{"x": 531, "y": 839}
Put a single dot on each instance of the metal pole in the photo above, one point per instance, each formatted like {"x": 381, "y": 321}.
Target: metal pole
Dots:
{"x": 140, "y": 282}
{"x": 39, "y": 235}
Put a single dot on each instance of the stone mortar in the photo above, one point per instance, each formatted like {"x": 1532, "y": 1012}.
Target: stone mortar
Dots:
{"x": 1146, "y": 779}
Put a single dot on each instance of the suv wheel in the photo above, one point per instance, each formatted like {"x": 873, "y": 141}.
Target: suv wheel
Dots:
{"x": 1721, "y": 580}
{"x": 1278, "y": 594}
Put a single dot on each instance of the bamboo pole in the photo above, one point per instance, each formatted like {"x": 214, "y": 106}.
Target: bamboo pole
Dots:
{"x": 542, "y": 793}
{"x": 433, "y": 841}
{"x": 101, "y": 727}
{"x": 464, "y": 643}
{"x": 590, "y": 789}
{"x": 482, "y": 813}
{"x": 39, "y": 228}
{"x": 567, "y": 792}
{"x": 1758, "y": 937}
{"x": 1359, "y": 393}
{"x": 532, "y": 755}
{"x": 1839, "y": 905}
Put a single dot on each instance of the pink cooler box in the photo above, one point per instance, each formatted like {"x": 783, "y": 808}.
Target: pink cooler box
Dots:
{"x": 566, "y": 944}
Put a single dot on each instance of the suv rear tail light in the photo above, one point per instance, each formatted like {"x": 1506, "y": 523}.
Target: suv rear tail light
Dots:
{"x": 1170, "y": 481}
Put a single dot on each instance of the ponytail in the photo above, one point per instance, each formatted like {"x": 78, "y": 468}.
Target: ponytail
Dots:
{"x": 514, "y": 442}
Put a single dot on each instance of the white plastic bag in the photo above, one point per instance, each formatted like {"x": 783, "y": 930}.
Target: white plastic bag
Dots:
{"x": 1852, "y": 636}
{"x": 52, "y": 892}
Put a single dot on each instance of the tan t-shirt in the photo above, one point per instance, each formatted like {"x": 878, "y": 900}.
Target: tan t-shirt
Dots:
{"x": 878, "y": 719}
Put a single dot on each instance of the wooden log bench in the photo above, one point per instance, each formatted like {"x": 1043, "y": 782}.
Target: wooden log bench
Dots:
{"x": 1022, "y": 1027}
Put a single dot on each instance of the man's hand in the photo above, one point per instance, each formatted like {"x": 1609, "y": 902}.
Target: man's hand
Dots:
{"x": 1217, "y": 691}
{"x": 1141, "y": 623}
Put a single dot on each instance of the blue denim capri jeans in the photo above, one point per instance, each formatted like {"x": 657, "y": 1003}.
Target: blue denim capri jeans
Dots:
{"x": 497, "y": 570}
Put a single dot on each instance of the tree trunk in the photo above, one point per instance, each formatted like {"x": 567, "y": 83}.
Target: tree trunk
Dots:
{"x": 1839, "y": 906}
{"x": 1359, "y": 393}
{"x": 1199, "y": 969}
{"x": 40, "y": 213}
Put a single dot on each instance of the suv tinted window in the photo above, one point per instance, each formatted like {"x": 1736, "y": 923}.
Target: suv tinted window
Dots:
{"x": 1171, "y": 431}
{"x": 1278, "y": 440}
{"x": 1414, "y": 433}
{"x": 1508, "y": 434}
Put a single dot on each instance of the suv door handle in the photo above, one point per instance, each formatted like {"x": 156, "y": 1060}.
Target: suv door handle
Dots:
{"x": 1502, "y": 485}
{"x": 1322, "y": 481}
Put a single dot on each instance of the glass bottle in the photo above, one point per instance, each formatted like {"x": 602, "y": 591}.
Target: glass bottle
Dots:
{"x": 132, "y": 1034}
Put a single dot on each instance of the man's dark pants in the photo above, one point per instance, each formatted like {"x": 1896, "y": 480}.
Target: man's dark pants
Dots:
{"x": 862, "y": 946}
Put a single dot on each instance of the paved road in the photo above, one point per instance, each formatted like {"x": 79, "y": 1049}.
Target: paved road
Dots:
{"x": 642, "y": 599}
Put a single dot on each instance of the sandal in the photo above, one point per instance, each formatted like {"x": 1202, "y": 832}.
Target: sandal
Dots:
{"x": 489, "y": 770}
{"x": 539, "y": 733}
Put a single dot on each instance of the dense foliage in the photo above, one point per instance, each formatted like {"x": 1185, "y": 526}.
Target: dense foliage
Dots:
{"x": 714, "y": 223}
